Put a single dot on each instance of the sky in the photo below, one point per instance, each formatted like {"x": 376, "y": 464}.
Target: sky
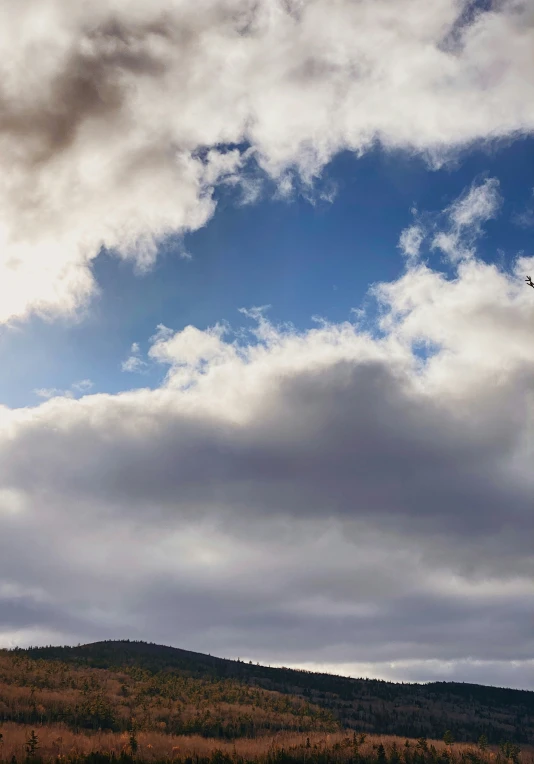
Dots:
{"x": 267, "y": 351}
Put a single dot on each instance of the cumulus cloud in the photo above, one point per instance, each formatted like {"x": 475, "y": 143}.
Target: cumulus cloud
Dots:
{"x": 393, "y": 492}
{"x": 119, "y": 119}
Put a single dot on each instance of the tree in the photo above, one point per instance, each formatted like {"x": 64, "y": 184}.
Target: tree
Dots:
{"x": 448, "y": 738}
{"x": 422, "y": 744}
{"x": 134, "y": 745}
{"x": 482, "y": 743}
{"x": 32, "y": 744}
{"x": 510, "y": 751}
{"x": 394, "y": 757}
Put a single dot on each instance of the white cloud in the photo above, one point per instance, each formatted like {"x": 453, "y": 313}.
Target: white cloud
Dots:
{"x": 51, "y": 392}
{"x": 162, "y": 333}
{"x": 134, "y": 363}
{"x": 80, "y": 387}
{"x": 455, "y": 230}
{"x": 115, "y": 116}
{"x": 191, "y": 352}
{"x": 478, "y": 206}
{"x": 83, "y": 385}
{"x": 465, "y": 218}
{"x": 410, "y": 241}
{"x": 393, "y": 494}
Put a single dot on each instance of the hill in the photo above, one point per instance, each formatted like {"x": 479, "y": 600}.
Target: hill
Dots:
{"x": 105, "y": 684}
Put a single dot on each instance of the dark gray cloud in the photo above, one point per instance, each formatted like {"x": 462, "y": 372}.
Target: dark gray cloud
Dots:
{"x": 352, "y": 440}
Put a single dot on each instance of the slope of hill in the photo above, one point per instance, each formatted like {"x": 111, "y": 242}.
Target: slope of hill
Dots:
{"x": 187, "y": 692}
{"x": 115, "y": 697}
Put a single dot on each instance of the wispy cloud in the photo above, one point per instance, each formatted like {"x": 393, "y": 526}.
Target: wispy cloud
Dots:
{"x": 51, "y": 392}
{"x": 134, "y": 363}
{"x": 83, "y": 386}
{"x": 410, "y": 241}
{"x": 465, "y": 218}
{"x": 77, "y": 388}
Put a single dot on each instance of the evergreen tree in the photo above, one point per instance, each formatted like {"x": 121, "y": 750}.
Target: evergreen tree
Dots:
{"x": 134, "y": 745}
{"x": 32, "y": 744}
{"x": 510, "y": 751}
{"x": 394, "y": 757}
{"x": 422, "y": 745}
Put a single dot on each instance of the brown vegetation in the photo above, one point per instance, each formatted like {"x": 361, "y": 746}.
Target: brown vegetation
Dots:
{"x": 47, "y": 692}
{"x": 57, "y": 742}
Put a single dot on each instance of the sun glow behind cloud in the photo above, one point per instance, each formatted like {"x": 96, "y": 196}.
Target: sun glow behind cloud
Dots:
{"x": 392, "y": 492}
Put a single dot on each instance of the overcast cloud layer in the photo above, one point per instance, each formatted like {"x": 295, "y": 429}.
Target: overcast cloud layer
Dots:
{"x": 118, "y": 119}
{"x": 331, "y": 497}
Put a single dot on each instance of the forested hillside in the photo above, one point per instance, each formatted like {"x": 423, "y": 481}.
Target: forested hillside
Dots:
{"x": 103, "y": 685}
{"x": 83, "y": 697}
